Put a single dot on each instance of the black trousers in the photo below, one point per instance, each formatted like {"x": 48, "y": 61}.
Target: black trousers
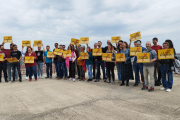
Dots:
{"x": 71, "y": 69}
{"x": 3, "y": 67}
{"x": 110, "y": 68}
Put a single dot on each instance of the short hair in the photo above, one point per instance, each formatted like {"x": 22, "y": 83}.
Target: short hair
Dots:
{"x": 100, "y": 42}
{"x": 83, "y": 47}
{"x": 63, "y": 45}
{"x": 60, "y": 45}
{"x": 47, "y": 46}
{"x": 95, "y": 43}
{"x": 56, "y": 43}
{"x": 11, "y": 44}
{"x": 14, "y": 45}
{"x": 155, "y": 38}
{"x": 120, "y": 40}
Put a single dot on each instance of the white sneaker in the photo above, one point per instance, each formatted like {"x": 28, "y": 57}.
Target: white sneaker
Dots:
{"x": 162, "y": 88}
{"x": 26, "y": 78}
{"x": 70, "y": 78}
{"x": 41, "y": 77}
{"x": 168, "y": 90}
{"x": 74, "y": 80}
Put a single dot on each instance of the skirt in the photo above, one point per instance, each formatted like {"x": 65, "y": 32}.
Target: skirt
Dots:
{"x": 126, "y": 72}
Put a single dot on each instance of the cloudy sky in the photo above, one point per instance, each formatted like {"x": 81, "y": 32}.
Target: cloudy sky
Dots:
{"x": 60, "y": 20}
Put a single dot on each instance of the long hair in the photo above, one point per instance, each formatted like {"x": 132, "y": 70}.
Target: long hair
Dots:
{"x": 70, "y": 47}
{"x": 112, "y": 48}
{"x": 119, "y": 45}
{"x": 126, "y": 44}
{"x": 170, "y": 43}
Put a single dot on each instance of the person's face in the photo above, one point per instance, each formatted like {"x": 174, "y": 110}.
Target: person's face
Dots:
{"x": 124, "y": 45}
{"x": 79, "y": 47}
{"x": 120, "y": 46}
{"x": 95, "y": 45}
{"x": 11, "y": 46}
{"x": 39, "y": 48}
{"x": 148, "y": 45}
{"x": 56, "y": 45}
{"x": 29, "y": 50}
{"x": 63, "y": 47}
{"x": 135, "y": 44}
{"x": 47, "y": 48}
{"x": 69, "y": 47}
{"x": 2, "y": 47}
{"x": 154, "y": 41}
{"x": 108, "y": 42}
{"x": 88, "y": 49}
{"x": 82, "y": 50}
{"x": 165, "y": 46}
{"x": 99, "y": 44}
{"x": 15, "y": 48}
{"x": 109, "y": 47}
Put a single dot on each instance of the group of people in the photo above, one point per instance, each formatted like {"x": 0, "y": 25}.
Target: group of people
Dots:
{"x": 68, "y": 67}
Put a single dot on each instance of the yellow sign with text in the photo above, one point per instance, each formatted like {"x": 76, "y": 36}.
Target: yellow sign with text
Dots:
{"x": 97, "y": 52}
{"x": 135, "y": 50}
{"x": 135, "y": 36}
{"x": 67, "y": 53}
{"x": 37, "y": 43}
{"x": 50, "y": 54}
{"x": 120, "y": 57}
{"x": 166, "y": 53}
{"x": 115, "y": 39}
{"x": 143, "y": 58}
{"x": 84, "y": 55}
{"x": 7, "y": 39}
{"x": 84, "y": 40}
{"x": 73, "y": 40}
{"x": 29, "y": 59}
{"x": 106, "y": 56}
{"x": 11, "y": 60}
{"x": 26, "y": 43}
{"x": 1, "y": 57}
{"x": 58, "y": 51}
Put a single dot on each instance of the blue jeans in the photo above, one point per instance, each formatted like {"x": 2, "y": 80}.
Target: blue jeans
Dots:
{"x": 61, "y": 69}
{"x": 164, "y": 70}
{"x": 98, "y": 64}
{"x": 119, "y": 71}
{"x": 138, "y": 68}
{"x": 14, "y": 67}
{"x": 27, "y": 73}
{"x": 40, "y": 68}
{"x": 32, "y": 71}
{"x": 9, "y": 66}
{"x": 65, "y": 70}
{"x": 3, "y": 67}
{"x": 89, "y": 68}
{"x": 56, "y": 66}
{"x": 49, "y": 68}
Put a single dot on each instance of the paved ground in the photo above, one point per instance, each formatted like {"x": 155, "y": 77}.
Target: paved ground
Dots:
{"x": 63, "y": 99}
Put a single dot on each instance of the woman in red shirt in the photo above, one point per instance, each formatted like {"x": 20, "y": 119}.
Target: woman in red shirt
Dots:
{"x": 31, "y": 67}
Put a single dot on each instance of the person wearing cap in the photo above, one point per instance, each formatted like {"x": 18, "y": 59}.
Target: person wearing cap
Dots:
{"x": 138, "y": 66}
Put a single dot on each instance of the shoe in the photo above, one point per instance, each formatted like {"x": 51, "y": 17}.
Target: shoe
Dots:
{"x": 78, "y": 78}
{"x": 105, "y": 81}
{"x": 100, "y": 78}
{"x": 74, "y": 80}
{"x": 162, "y": 88}
{"x": 96, "y": 81}
{"x": 30, "y": 80}
{"x": 13, "y": 81}
{"x": 20, "y": 81}
{"x": 135, "y": 85}
{"x": 84, "y": 78}
{"x": 144, "y": 87}
{"x": 93, "y": 78}
{"x": 113, "y": 82}
{"x": 65, "y": 78}
{"x": 46, "y": 77}
{"x": 168, "y": 90}
{"x": 108, "y": 81}
{"x": 26, "y": 78}
{"x": 127, "y": 83}
{"x": 70, "y": 78}
{"x": 151, "y": 89}
{"x": 122, "y": 83}
{"x": 35, "y": 79}
{"x": 157, "y": 83}
{"x": 41, "y": 77}
{"x": 81, "y": 78}
{"x": 89, "y": 80}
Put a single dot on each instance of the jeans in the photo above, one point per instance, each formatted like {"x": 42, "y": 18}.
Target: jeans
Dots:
{"x": 138, "y": 68}
{"x": 119, "y": 71}
{"x": 78, "y": 71}
{"x": 40, "y": 68}
{"x": 98, "y": 64}
{"x": 32, "y": 71}
{"x": 14, "y": 67}
{"x": 49, "y": 68}
{"x": 56, "y": 66}
{"x": 164, "y": 70}
{"x": 27, "y": 72}
{"x": 3, "y": 67}
{"x": 89, "y": 68}
{"x": 61, "y": 69}
{"x": 9, "y": 66}
{"x": 65, "y": 70}
{"x": 148, "y": 70}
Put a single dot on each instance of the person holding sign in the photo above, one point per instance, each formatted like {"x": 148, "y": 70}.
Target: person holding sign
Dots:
{"x": 166, "y": 68}
{"x": 3, "y": 64}
{"x": 126, "y": 67}
{"x": 110, "y": 64}
{"x": 118, "y": 64}
{"x": 148, "y": 68}
{"x": 48, "y": 62}
{"x": 31, "y": 67}
{"x": 56, "y": 60}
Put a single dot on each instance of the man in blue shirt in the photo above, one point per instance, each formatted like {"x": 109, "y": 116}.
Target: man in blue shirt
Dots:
{"x": 48, "y": 62}
{"x": 138, "y": 66}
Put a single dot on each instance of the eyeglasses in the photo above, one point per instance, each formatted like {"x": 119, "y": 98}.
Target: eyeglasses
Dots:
{"x": 165, "y": 46}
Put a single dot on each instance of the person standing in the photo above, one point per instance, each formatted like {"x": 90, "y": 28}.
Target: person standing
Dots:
{"x": 118, "y": 64}
{"x": 39, "y": 61}
{"x": 148, "y": 68}
{"x": 55, "y": 60}
{"x": 16, "y": 65}
{"x": 31, "y": 67}
{"x": 3, "y": 64}
{"x": 89, "y": 63}
{"x": 81, "y": 67}
{"x": 94, "y": 63}
{"x": 156, "y": 47}
{"x": 48, "y": 62}
{"x": 126, "y": 67}
{"x": 79, "y": 52}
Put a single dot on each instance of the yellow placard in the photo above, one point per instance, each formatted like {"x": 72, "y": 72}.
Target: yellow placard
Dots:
{"x": 50, "y": 54}
{"x": 1, "y": 57}
{"x": 11, "y": 60}
{"x": 106, "y": 57}
{"x": 84, "y": 40}
{"x": 26, "y": 43}
{"x": 97, "y": 52}
{"x": 73, "y": 40}
{"x": 143, "y": 58}
{"x": 58, "y": 51}
{"x": 120, "y": 57}
{"x": 166, "y": 53}
{"x": 135, "y": 50}
{"x": 79, "y": 62}
{"x": 37, "y": 43}
{"x": 84, "y": 55}
{"x": 67, "y": 53}
{"x": 115, "y": 39}
{"x": 7, "y": 39}
{"x": 29, "y": 59}
{"x": 135, "y": 36}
